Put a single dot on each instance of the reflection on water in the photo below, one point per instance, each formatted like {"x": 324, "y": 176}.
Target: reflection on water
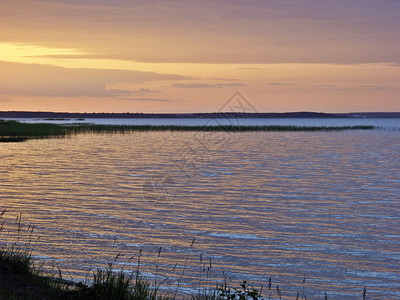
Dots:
{"x": 323, "y": 205}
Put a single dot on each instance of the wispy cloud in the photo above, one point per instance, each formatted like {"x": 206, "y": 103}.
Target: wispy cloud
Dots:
{"x": 355, "y": 87}
{"x": 280, "y": 83}
{"x": 222, "y": 79}
{"x": 117, "y": 92}
{"x": 375, "y": 87}
{"x": 251, "y": 68}
{"x": 23, "y": 79}
{"x": 150, "y": 99}
{"x": 344, "y": 32}
{"x": 146, "y": 90}
{"x": 205, "y": 85}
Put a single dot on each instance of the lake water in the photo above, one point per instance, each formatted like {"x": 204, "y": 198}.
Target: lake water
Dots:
{"x": 324, "y": 205}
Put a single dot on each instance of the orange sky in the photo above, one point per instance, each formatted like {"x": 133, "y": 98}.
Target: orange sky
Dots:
{"x": 191, "y": 56}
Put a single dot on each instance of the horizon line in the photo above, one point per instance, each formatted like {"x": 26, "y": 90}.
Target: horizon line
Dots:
{"x": 214, "y": 112}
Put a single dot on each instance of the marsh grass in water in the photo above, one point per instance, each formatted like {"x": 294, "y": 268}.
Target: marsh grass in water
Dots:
{"x": 13, "y": 131}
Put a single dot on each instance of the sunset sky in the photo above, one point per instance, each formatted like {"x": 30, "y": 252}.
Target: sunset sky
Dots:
{"x": 192, "y": 56}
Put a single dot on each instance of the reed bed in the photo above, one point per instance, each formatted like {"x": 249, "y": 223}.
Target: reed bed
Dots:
{"x": 13, "y": 131}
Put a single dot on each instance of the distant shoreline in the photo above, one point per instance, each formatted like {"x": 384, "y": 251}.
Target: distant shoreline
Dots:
{"x": 228, "y": 115}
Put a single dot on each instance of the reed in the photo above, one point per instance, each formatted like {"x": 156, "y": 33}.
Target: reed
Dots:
{"x": 13, "y": 131}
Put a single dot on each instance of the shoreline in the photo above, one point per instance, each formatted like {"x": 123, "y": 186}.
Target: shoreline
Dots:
{"x": 211, "y": 115}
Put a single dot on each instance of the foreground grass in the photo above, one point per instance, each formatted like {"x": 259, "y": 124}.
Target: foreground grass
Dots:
{"x": 15, "y": 131}
{"x": 21, "y": 278}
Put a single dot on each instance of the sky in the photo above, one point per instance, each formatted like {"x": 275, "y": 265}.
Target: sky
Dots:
{"x": 192, "y": 56}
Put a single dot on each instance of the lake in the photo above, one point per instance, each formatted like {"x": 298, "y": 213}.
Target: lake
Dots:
{"x": 319, "y": 205}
